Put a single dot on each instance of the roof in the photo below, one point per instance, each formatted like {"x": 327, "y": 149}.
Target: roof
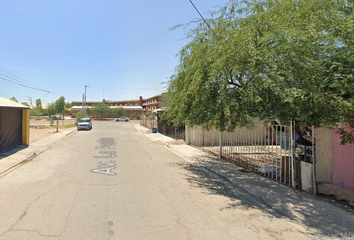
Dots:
{"x": 10, "y": 104}
{"x": 153, "y": 97}
{"x": 162, "y": 109}
{"x": 108, "y": 101}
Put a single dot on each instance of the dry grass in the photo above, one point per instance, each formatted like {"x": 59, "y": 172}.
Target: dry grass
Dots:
{"x": 54, "y": 126}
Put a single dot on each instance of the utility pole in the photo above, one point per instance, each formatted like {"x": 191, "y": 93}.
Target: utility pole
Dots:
{"x": 29, "y": 98}
{"x": 85, "y": 101}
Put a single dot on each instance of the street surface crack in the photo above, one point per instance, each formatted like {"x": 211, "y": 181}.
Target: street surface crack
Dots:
{"x": 71, "y": 209}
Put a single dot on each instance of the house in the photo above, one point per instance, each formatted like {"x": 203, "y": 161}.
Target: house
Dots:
{"x": 335, "y": 162}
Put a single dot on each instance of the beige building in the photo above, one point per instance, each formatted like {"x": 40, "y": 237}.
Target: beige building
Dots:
{"x": 153, "y": 104}
{"x": 131, "y": 107}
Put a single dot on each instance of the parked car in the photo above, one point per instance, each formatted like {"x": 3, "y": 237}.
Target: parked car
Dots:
{"x": 84, "y": 123}
{"x": 122, "y": 119}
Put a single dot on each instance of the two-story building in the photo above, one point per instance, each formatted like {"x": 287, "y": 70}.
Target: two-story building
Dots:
{"x": 131, "y": 107}
{"x": 153, "y": 104}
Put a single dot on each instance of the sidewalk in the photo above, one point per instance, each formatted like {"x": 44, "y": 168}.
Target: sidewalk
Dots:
{"x": 17, "y": 156}
{"x": 324, "y": 219}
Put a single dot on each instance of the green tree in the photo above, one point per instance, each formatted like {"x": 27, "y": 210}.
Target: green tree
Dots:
{"x": 100, "y": 108}
{"x": 60, "y": 105}
{"x": 35, "y": 112}
{"x": 44, "y": 112}
{"x": 270, "y": 59}
{"x": 13, "y": 99}
{"x": 39, "y": 104}
{"x": 51, "y": 109}
{"x": 78, "y": 117}
{"x": 88, "y": 111}
{"x": 25, "y": 103}
{"x": 68, "y": 105}
{"x": 117, "y": 112}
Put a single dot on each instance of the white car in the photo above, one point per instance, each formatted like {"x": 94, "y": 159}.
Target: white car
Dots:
{"x": 122, "y": 119}
{"x": 84, "y": 123}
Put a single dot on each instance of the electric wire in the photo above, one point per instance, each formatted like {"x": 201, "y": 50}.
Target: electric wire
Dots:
{"x": 18, "y": 79}
{"x": 203, "y": 19}
{"x": 33, "y": 88}
{"x": 23, "y": 83}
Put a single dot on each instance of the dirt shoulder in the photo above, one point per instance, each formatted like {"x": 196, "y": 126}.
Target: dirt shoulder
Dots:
{"x": 39, "y": 132}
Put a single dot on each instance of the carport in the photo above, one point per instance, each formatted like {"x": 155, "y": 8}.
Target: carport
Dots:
{"x": 14, "y": 124}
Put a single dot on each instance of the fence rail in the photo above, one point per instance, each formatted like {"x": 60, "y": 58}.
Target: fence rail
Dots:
{"x": 171, "y": 131}
{"x": 266, "y": 149}
{"x": 148, "y": 122}
{"x": 278, "y": 152}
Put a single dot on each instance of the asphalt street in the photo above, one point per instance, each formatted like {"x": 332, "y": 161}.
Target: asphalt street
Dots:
{"x": 113, "y": 182}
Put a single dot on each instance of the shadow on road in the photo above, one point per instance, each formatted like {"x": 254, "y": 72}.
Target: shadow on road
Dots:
{"x": 251, "y": 191}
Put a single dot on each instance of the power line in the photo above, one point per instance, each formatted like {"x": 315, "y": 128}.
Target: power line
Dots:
{"x": 60, "y": 96}
{"x": 44, "y": 96}
{"x": 18, "y": 79}
{"x": 203, "y": 18}
{"x": 23, "y": 83}
{"x": 33, "y": 88}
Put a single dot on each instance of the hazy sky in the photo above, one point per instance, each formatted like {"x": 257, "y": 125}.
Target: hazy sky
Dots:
{"x": 120, "y": 49}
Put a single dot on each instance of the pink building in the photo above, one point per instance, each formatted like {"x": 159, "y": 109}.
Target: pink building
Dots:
{"x": 343, "y": 162}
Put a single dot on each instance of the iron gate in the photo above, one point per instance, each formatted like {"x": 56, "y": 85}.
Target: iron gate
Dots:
{"x": 10, "y": 127}
{"x": 171, "y": 131}
{"x": 273, "y": 150}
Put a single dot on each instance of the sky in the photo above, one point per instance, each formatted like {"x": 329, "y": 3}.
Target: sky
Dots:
{"x": 120, "y": 49}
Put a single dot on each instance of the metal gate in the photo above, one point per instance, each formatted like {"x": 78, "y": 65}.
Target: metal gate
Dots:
{"x": 10, "y": 127}
{"x": 273, "y": 150}
{"x": 171, "y": 131}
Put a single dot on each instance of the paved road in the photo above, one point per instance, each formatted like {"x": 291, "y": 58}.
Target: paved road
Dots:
{"x": 115, "y": 183}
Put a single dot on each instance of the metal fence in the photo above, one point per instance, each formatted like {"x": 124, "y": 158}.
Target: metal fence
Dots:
{"x": 148, "y": 121}
{"x": 163, "y": 127}
{"x": 300, "y": 158}
{"x": 271, "y": 150}
{"x": 171, "y": 131}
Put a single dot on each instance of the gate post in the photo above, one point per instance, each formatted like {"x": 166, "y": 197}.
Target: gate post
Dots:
{"x": 220, "y": 144}
{"x": 314, "y": 159}
{"x": 292, "y": 144}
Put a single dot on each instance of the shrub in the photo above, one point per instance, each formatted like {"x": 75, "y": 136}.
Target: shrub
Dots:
{"x": 78, "y": 117}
